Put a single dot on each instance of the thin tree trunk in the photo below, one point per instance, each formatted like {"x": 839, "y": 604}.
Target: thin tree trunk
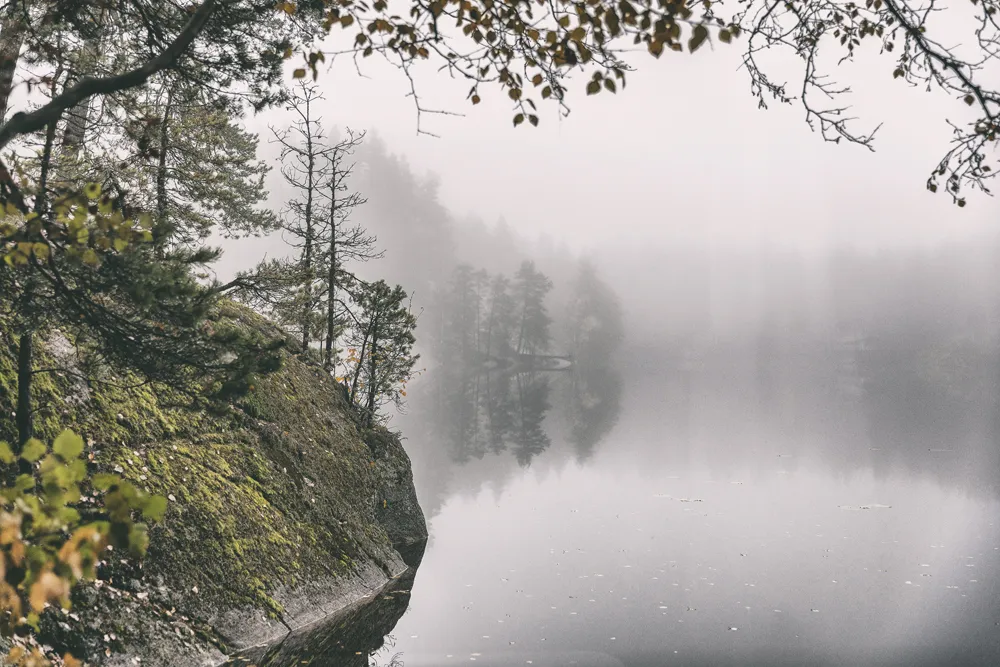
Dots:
{"x": 161, "y": 175}
{"x": 372, "y": 378}
{"x": 78, "y": 117}
{"x": 41, "y": 201}
{"x": 524, "y": 317}
{"x": 11, "y": 40}
{"x": 24, "y": 415}
{"x": 307, "y": 259}
{"x": 357, "y": 370}
{"x": 489, "y": 327}
{"x": 331, "y": 278}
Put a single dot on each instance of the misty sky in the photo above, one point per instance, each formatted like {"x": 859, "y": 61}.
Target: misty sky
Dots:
{"x": 683, "y": 154}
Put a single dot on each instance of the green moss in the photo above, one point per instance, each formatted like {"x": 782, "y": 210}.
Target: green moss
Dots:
{"x": 262, "y": 494}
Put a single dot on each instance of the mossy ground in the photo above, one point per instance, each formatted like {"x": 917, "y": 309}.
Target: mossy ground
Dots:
{"x": 265, "y": 493}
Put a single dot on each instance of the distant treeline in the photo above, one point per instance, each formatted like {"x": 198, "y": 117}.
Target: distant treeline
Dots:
{"x": 495, "y": 322}
{"x": 484, "y": 292}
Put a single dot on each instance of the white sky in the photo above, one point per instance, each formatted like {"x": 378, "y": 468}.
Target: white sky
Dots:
{"x": 682, "y": 154}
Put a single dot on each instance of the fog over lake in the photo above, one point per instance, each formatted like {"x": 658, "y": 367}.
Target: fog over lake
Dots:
{"x": 787, "y": 464}
{"x": 789, "y": 456}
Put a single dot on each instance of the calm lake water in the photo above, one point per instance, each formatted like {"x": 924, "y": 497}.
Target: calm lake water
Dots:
{"x": 734, "y": 506}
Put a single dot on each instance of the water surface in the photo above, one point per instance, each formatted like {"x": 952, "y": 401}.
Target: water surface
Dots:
{"x": 745, "y": 507}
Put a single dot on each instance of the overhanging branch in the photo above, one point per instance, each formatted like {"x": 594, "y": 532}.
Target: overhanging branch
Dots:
{"x": 24, "y": 123}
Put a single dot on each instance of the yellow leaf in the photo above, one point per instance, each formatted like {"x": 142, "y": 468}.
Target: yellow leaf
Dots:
{"x": 48, "y": 587}
{"x": 300, "y": 73}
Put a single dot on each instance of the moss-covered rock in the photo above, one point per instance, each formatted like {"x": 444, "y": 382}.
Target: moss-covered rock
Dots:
{"x": 282, "y": 509}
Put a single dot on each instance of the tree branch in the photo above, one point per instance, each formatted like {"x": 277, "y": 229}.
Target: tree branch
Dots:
{"x": 25, "y": 123}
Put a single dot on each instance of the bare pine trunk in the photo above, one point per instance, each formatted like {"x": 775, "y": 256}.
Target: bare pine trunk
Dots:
{"x": 79, "y": 116}
{"x": 11, "y": 40}
{"x": 357, "y": 369}
{"x": 331, "y": 281}
{"x": 307, "y": 259}
{"x": 372, "y": 379}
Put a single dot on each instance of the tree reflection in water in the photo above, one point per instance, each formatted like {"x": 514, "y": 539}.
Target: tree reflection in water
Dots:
{"x": 475, "y": 414}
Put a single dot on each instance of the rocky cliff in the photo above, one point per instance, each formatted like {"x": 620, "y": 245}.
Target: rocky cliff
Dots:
{"x": 283, "y": 510}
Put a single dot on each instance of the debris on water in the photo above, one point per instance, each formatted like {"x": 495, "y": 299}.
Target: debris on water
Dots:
{"x": 870, "y": 506}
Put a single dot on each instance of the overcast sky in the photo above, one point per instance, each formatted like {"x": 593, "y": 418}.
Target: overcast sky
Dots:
{"x": 683, "y": 153}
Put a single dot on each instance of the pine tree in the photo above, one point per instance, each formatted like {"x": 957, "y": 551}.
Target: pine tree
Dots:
{"x": 305, "y": 162}
{"x": 530, "y": 289}
{"x": 381, "y": 342}
{"x": 73, "y": 263}
{"x": 203, "y": 167}
{"x": 343, "y": 243}
{"x": 499, "y": 319}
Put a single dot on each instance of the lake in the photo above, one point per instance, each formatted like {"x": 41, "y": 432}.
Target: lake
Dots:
{"x": 742, "y": 504}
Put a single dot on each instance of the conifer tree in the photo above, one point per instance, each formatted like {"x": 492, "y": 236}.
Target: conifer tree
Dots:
{"x": 530, "y": 289}
{"x": 305, "y": 158}
{"x": 499, "y": 318}
{"x": 342, "y": 242}
{"x": 80, "y": 261}
{"x": 381, "y": 344}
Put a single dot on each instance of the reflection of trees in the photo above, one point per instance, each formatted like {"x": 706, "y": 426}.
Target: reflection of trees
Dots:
{"x": 593, "y": 407}
{"x": 500, "y": 411}
{"x": 482, "y": 413}
{"x": 477, "y": 414}
{"x": 530, "y": 438}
